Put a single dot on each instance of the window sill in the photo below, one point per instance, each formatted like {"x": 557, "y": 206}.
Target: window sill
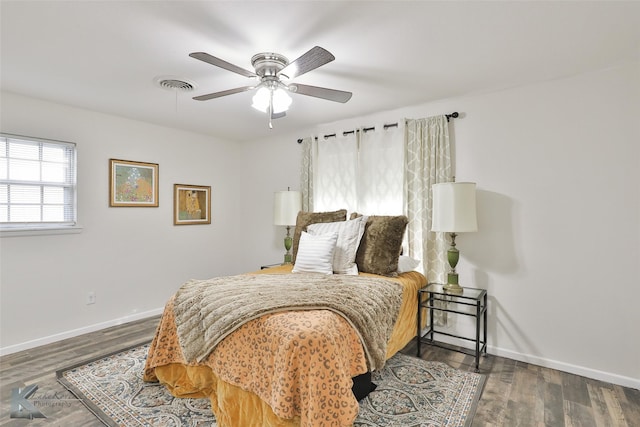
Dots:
{"x": 49, "y": 231}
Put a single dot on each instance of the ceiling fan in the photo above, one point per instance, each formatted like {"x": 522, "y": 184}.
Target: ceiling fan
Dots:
{"x": 271, "y": 70}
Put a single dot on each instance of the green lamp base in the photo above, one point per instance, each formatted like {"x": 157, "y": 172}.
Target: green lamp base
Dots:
{"x": 453, "y": 255}
{"x": 288, "y": 242}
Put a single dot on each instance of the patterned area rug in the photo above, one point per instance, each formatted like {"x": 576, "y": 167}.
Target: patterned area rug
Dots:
{"x": 410, "y": 392}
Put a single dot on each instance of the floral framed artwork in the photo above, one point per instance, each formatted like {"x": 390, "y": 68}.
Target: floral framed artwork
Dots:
{"x": 133, "y": 184}
{"x": 191, "y": 204}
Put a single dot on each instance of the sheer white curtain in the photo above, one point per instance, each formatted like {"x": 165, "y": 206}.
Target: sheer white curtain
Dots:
{"x": 380, "y": 173}
{"x": 336, "y": 166}
{"x": 360, "y": 171}
{"x": 427, "y": 162}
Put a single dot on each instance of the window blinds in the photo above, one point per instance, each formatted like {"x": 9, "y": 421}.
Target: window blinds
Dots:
{"x": 37, "y": 182}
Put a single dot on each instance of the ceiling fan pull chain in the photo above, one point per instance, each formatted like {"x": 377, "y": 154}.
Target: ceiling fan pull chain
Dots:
{"x": 270, "y": 109}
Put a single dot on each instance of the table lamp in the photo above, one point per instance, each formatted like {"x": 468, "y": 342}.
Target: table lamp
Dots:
{"x": 454, "y": 211}
{"x": 286, "y": 205}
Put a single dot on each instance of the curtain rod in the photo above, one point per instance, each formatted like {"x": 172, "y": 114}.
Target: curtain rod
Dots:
{"x": 453, "y": 115}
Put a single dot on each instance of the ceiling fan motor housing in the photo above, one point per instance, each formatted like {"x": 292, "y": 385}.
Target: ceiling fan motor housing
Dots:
{"x": 269, "y": 64}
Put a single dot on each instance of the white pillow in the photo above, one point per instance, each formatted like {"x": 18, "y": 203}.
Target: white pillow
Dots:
{"x": 406, "y": 263}
{"x": 349, "y": 235}
{"x": 315, "y": 253}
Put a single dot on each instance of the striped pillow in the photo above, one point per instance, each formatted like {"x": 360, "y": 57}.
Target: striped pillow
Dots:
{"x": 315, "y": 253}
{"x": 349, "y": 235}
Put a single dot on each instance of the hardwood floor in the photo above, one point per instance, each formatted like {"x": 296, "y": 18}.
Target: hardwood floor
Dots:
{"x": 39, "y": 365}
{"x": 515, "y": 393}
{"x": 520, "y": 394}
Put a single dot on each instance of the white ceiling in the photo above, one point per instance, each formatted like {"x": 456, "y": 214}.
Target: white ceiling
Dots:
{"x": 104, "y": 55}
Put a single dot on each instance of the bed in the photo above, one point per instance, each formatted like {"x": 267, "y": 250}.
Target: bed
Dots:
{"x": 285, "y": 365}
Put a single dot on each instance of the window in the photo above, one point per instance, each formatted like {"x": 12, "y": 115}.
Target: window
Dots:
{"x": 361, "y": 171}
{"x": 37, "y": 183}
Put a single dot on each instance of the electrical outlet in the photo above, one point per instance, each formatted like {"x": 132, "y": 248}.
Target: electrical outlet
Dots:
{"x": 91, "y": 298}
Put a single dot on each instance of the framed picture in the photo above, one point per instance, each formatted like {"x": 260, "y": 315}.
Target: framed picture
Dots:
{"x": 133, "y": 184}
{"x": 191, "y": 204}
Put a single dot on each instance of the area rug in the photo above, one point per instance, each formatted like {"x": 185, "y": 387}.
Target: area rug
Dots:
{"x": 410, "y": 392}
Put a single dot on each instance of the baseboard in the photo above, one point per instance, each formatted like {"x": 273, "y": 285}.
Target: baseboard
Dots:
{"x": 568, "y": 367}
{"x": 76, "y": 332}
{"x": 552, "y": 364}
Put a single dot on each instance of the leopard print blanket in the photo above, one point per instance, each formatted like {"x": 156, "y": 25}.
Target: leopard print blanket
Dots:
{"x": 207, "y": 311}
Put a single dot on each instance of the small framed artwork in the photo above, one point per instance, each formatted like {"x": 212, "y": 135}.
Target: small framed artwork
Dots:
{"x": 191, "y": 204}
{"x": 133, "y": 184}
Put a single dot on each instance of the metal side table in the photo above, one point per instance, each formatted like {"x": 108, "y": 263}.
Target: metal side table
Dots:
{"x": 471, "y": 302}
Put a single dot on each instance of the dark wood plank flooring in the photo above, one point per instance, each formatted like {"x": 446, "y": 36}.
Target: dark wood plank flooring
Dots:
{"x": 521, "y": 394}
{"x": 515, "y": 393}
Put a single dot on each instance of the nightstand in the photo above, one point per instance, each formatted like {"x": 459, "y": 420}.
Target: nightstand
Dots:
{"x": 471, "y": 302}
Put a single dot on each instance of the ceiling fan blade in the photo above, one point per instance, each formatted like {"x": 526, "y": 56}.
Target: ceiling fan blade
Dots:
{"x": 223, "y": 93}
{"x": 321, "y": 92}
{"x": 209, "y": 59}
{"x": 311, "y": 60}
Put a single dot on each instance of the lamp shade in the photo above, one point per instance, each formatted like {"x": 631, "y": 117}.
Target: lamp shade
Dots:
{"x": 286, "y": 205}
{"x": 454, "y": 207}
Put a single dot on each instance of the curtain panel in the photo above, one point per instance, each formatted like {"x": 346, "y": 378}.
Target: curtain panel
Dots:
{"x": 360, "y": 171}
{"x": 427, "y": 162}
{"x": 336, "y": 163}
{"x": 380, "y": 172}
{"x": 306, "y": 173}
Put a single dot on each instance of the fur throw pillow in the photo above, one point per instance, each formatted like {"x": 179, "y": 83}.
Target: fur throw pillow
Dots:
{"x": 381, "y": 244}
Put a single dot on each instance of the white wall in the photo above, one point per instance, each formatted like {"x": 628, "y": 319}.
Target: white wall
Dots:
{"x": 559, "y": 168}
{"x": 558, "y": 172}
{"x": 133, "y": 258}
{"x": 268, "y": 166}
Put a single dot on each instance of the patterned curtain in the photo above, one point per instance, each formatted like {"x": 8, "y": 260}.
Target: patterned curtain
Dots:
{"x": 427, "y": 162}
{"x": 306, "y": 174}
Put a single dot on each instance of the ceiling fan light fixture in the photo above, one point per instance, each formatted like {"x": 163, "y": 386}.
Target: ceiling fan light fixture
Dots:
{"x": 261, "y": 99}
{"x": 264, "y": 96}
{"x": 281, "y": 101}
